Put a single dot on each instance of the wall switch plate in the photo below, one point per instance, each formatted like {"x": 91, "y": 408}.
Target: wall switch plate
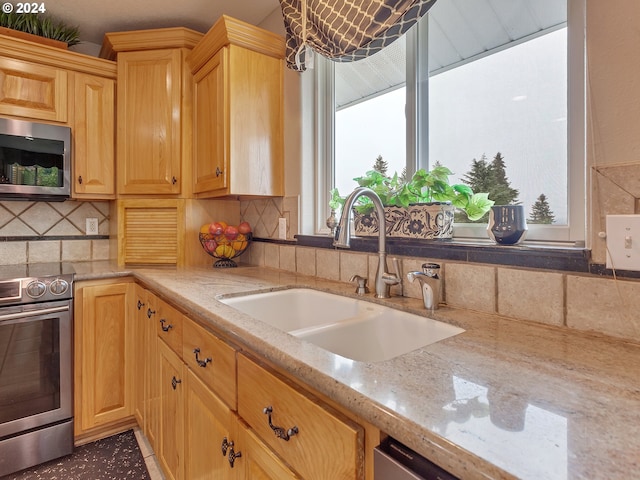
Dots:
{"x": 623, "y": 242}
{"x": 282, "y": 228}
{"x": 91, "y": 226}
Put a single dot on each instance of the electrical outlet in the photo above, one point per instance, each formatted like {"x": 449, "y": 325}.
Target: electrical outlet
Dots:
{"x": 92, "y": 226}
{"x": 282, "y": 228}
{"x": 623, "y": 242}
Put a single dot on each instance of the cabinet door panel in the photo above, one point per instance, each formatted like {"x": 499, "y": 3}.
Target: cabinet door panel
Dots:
{"x": 211, "y": 170}
{"x": 33, "y": 91}
{"x": 94, "y": 137}
{"x": 171, "y": 379}
{"x": 106, "y": 354}
{"x": 149, "y": 148}
{"x": 207, "y": 424}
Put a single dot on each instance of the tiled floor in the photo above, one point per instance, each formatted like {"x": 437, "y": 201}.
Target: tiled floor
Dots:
{"x": 149, "y": 456}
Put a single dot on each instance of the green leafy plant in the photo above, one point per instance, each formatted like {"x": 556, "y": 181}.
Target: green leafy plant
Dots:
{"x": 41, "y": 25}
{"x": 422, "y": 187}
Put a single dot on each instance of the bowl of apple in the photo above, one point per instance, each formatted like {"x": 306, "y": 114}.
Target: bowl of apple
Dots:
{"x": 225, "y": 242}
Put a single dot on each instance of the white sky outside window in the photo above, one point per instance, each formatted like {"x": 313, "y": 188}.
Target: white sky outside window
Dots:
{"x": 513, "y": 101}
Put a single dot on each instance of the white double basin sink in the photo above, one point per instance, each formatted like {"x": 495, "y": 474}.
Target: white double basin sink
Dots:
{"x": 353, "y": 328}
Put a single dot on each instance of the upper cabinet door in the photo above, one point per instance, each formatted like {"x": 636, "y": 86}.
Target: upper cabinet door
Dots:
{"x": 211, "y": 169}
{"x": 94, "y": 137}
{"x": 149, "y": 121}
{"x": 33, "y": 91}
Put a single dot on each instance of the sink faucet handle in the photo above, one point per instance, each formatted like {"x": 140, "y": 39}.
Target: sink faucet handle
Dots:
{"x": 431, "y": 270}
{"x": 393, "y": 278}
{"x": 362, "y": 284}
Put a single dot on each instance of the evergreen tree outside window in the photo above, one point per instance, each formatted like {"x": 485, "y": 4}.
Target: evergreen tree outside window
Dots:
{"x": 518, "y": 157}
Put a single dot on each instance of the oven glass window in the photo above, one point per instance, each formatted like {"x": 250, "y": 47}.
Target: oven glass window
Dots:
{"x": 31, "y": 161}
{"x": 29, "y": 368}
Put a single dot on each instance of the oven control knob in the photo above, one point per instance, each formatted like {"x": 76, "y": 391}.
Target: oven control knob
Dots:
{"x": 36, "y": 289}
{"x": 59, "y": 286}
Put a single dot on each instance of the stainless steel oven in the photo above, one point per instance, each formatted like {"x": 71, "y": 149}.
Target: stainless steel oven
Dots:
{"x": 36, "y": 390}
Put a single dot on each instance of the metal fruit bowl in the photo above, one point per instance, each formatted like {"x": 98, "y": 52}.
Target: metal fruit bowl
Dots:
{"x": 224, "y": 249}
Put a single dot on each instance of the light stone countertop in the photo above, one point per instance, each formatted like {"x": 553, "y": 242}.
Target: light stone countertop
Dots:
{"x": 504, "y": 399}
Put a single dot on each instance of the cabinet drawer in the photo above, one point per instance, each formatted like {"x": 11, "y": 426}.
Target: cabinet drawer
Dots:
{"x": 169, "y": 326}
{"x": 32, "y": 90}
{"x": 212, "y": 360}
{"x": 327, "y": 446}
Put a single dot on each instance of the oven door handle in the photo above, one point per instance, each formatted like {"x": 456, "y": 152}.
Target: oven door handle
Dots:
{"x": 34, "y": 313}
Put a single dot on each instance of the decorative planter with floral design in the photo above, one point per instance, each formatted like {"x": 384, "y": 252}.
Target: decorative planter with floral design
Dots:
{"x": 426, "y": 221}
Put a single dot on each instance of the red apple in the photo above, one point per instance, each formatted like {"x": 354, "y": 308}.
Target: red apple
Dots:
{"x": 231, "y": 232}
{"x": 216, "y": 229}
{"x": 210, "y": 245}
{"x": 244, "y": 228}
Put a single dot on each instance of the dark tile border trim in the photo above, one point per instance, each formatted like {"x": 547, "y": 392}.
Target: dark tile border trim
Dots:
{"x": 529, "y": 256}
{"x": 36, "y": 238}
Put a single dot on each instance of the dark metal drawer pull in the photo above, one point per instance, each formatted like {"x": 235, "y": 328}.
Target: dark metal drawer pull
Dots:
{"x": 201, "y": 363}
{"x": 175, "y": 382}
{"x": 165, "y": 328}
{"x": 279, "y": 431}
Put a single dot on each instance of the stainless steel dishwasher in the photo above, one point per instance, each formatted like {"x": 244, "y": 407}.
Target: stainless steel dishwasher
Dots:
{"x": 395, "y": 461}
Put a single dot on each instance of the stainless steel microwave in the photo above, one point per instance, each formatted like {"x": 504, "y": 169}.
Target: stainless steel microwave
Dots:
{"x": 35, "y": 161}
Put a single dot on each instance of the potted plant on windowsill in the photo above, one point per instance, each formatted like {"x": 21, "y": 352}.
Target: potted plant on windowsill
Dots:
{"x": 420, "y": 207}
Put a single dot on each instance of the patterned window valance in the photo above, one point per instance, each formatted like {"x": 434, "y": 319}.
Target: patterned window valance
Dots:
{"x": 346, "y": 30}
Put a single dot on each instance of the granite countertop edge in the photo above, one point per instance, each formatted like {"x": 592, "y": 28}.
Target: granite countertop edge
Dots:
{"x": 569, "y": 374}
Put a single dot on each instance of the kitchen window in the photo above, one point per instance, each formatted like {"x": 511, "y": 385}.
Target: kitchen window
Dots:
{"x": 474, "y": 83}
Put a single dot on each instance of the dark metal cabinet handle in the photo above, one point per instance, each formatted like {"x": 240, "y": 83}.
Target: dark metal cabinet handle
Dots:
{"x": 150, "y": 312}
{"x": 225, "y": 446}
{"x": 233, "y": 454}
{"x": 175, "y": 382}
{"x": 174, "y": 180}
{"x": 279, "y": 431}
{"x": 140, "y": 305}
{"x": 201, "y": 363}
{"x": 80, "y": 179}
{"x": 165, "y": 328}
{"x": 218, "y": 172}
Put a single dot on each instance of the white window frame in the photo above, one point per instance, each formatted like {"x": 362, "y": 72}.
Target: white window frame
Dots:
{"x": 417, "y": 119}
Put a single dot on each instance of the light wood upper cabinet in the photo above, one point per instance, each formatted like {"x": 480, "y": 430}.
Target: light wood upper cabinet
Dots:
{"x": 104, "y": 355}
{"x": 32, "y": 90}
{"x": 153, "y": 110}
{"x": 149, "y": 95}
{"x": 94, "y": 137}
{"x": 238, "y": 75}
{"x": 48, "y": 84}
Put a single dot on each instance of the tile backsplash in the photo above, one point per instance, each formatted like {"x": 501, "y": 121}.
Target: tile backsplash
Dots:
{"x": 38, "y": 232}
{"x": 263, "y": 215}
{"x": 547, "y": 297}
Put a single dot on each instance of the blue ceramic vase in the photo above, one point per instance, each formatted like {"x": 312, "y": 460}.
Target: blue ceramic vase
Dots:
{"x": 507, "y": 224}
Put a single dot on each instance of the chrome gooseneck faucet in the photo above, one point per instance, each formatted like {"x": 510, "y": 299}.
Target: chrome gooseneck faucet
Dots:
{"x": 384, "y": 279}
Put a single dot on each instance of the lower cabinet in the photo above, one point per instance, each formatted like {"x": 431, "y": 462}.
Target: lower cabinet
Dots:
{"x": 209, "y": 410}
{"x": 104, "y": 358}
{"x": 207, "y": 423}
{"x": 170, "y": 451}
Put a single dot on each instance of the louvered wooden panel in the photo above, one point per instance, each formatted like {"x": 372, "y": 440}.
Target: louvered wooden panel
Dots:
{"x": 151, "y": 235}
{"x": 150, "y": 231}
